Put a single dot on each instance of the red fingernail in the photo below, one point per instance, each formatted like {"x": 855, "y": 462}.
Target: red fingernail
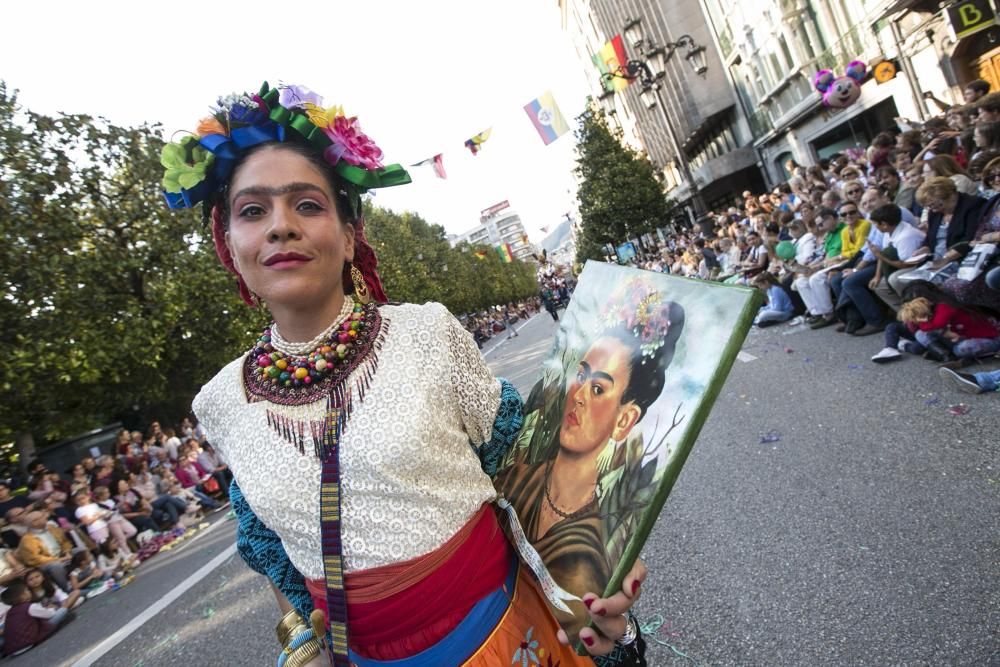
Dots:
{"x": 588, "y": 602}
{"x": 635, "y": 586}
{"x": 589, "y": 641}
{"x": 602, "y": 612}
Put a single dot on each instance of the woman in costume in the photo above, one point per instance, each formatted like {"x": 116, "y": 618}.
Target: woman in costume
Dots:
{"x": 356, "y": 489}
{"x": 554, "y": 476}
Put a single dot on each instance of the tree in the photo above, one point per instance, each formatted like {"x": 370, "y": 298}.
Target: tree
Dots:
{"x": 619, "y": 195}
{"x": 114, "y": 307}
{"x": 417, "y": 264}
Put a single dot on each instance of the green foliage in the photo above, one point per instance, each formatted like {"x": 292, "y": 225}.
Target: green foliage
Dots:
{"x": 115, "y": 307}
{"x": 417, "y": 264}
{"x": 619, "y": 196}
{"x": 110, "y": 300}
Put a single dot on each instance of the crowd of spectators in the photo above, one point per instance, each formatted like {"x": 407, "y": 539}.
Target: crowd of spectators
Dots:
{"x": 71, "y": 535}
{"x": 895, "y": 239}
{"x": 498, "y": 320}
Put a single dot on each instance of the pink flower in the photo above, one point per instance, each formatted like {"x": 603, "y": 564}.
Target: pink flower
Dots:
{"x": 351, "y": 144}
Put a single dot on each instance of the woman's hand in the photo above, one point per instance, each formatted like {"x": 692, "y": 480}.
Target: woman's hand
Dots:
{"x": 608, "y": 614}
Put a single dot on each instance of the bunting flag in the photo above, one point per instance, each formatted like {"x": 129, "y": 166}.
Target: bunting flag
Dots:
{"x": 475, "y": 142}
{"x": 480, "y": 254}
{"x": 546, "y": 117}
{"x": 437, "y": 162}
{"x": 610, "y": 59}
{"x": 506, "y": 256}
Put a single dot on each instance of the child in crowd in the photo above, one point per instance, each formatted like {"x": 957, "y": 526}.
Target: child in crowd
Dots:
{"x": 946, "y": 331}
{"x": 84, "y": 573}
{"x": 112, "y": 562}
{"x": 779, "y": 307}
{"x": 27, "y": 622}
{"x": 46, "y": 593}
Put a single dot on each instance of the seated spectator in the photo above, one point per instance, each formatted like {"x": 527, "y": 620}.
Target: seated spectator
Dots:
{"x": 946, "y": 166}
{"x": 210, "y": 462}
{"x": 134, "y": 508}
{"x": 84, "y": 572}
{"x": 812, "y": 281}
{"x": 901, "y": 241}
{"x": 976, "y": 292}
{"x": 778, "y": 307}
{"x": 948, "y": 332}
{"x": 27, "y": 623}
{"x": 172, "y": 443}
{"x": 79, "y": 479}
{"x": 171, "y": 486}
{"x": 46, "y": 547}
{"x": 47, "y": 594}
{"x": 15, "y": 526}
{"x": 10, "y": 567}
{"x": 8, "y": 501}
{"x": 952, "y": 223}
{"x": 102, "y": 522}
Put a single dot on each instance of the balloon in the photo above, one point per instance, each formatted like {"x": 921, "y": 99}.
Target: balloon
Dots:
{"x": 844, "y": 91}
{"x": 785, "y": 250}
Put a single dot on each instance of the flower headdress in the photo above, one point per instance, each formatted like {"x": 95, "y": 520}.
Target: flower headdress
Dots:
{"x": 199, "y": 165}
{"x": 644, "y": 312}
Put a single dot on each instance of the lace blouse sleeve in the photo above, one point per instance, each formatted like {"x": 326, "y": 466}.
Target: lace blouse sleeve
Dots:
{"x": 473, "y": 385}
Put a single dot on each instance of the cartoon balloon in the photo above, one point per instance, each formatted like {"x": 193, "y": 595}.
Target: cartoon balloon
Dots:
{"x": 841, "y": 92}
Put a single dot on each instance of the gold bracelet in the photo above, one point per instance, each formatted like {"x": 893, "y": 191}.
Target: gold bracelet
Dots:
{"x": 303, "y": 654}
{"x": 289, "y": 627}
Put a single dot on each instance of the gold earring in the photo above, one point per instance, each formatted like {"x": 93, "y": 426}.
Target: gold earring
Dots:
{"x": 360, "y": 288}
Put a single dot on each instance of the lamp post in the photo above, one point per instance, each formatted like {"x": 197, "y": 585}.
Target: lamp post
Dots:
{"x": 649, "y": 71}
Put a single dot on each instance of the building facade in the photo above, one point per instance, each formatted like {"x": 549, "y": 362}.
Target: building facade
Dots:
{"x": 498, "y": 224}
{"x": 695, "y": 131}
{"x": 772, "y": 50}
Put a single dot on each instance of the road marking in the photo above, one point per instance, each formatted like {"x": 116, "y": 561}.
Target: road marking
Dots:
{"x": 121, "y": 635}
{"x": 745, "y": 357}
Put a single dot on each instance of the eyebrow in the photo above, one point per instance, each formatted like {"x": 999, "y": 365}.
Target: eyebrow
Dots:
{"x": 264, "y": 191}
{"x": 599, "y": 375}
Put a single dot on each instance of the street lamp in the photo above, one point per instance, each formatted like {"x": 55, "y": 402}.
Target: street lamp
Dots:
{"x": 648, "y": 72}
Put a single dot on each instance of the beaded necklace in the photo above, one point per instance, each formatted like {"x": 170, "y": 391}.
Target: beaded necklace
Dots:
{"x": 273, "y": 375}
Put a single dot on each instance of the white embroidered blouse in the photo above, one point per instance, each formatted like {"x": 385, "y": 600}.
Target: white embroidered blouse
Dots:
{"x": 409, "y": 476}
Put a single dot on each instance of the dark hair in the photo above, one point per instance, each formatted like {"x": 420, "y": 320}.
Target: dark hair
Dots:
{"x": 13, "y": 593}
{"x": 989, "y": 102}
{"x": 826, "y": 213}
{"x": 888, "y": 214}
{"x": 887, "y": 170}
{"x": 884, "y": 140}
{"x": 47, "y": 586}
{"x": 77, "y": 559}
{"x": 346, "y": 199}
{"x": 991, "y": 132}
{"x": 978, "y": 86}
{"x": 647, "y": 375}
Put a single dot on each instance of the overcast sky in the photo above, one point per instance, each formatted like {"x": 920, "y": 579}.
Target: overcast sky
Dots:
{"x": 421, "y": 76}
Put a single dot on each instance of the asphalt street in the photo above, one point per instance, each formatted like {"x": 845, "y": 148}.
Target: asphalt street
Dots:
{"x": 865, "y": 530}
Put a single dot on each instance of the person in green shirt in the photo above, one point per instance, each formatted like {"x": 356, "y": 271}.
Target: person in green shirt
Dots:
{"x": 812, "y": 282}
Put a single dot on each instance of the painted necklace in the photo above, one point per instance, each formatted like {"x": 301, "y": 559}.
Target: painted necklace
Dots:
{"x": 566, "y": 515}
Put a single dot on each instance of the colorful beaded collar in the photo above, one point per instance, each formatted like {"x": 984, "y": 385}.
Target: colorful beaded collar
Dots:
{"x": 285, "y": 379}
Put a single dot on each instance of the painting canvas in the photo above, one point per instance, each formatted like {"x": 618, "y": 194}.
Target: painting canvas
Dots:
{"x": 638, "y": 359}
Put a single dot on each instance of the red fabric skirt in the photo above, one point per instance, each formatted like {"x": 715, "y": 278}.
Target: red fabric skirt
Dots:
{"x": 399, "y": 610}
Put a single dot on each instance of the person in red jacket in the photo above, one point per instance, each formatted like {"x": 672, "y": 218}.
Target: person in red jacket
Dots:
{"x": 948, "y": 331}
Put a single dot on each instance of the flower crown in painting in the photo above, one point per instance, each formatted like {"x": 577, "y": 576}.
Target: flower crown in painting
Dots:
{"x": 643, "y": 311}
{"x": 199, "y": 165}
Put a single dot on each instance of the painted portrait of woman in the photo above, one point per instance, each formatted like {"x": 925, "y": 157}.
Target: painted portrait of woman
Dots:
{"x": 581, "y": 444}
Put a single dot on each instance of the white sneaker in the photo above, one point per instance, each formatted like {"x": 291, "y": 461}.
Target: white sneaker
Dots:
{"x": 901, "y": 345}
{"x": 797, "y": 321}
{"x": 887, "y": 354}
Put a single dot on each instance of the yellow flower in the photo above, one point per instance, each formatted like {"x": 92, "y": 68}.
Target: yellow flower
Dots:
{"x": 321, "y": 117}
